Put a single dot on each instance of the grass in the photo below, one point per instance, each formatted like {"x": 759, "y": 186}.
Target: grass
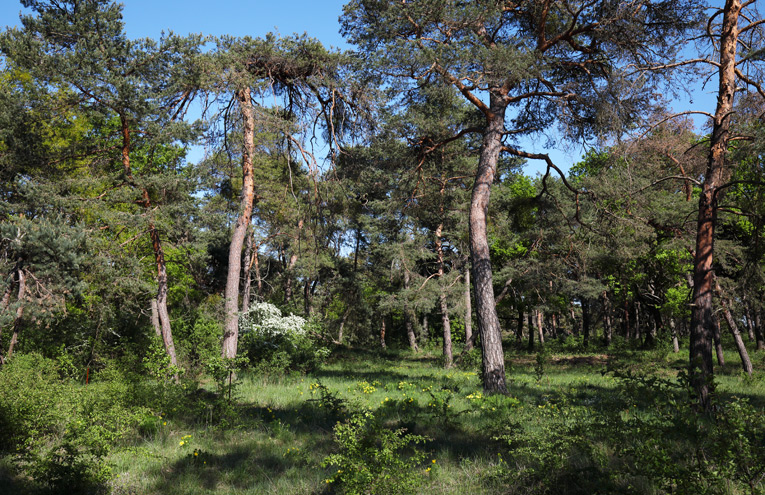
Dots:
{"x": 274, "y": 436}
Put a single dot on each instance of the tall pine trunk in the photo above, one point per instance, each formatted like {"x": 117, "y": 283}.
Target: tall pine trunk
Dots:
{"x": 493, "y": 361}
{"x": 446, "y": 323}
{"x": 701, "y": 368}
{"x": 231, "y": 295}
{"x": 163, "y": 315}
{"x": 469, "y": 338}
{"x": 248, "y": 259}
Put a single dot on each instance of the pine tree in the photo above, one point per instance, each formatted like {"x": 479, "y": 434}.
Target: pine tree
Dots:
{"x": 524, "y": 66}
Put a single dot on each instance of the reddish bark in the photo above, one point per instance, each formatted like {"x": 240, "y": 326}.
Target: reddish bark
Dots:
{"x": 231, "y": 326}
{"x": 702, "y": 317}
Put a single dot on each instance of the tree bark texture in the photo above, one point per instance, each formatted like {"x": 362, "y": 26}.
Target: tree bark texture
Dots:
{"x": 716, "y": 338}
{"x": 22, "y": 279}
{"x": 675, "y": 341}
{"x": 231, "y": 295}
{"x": 540, "y": 326}
{"x": 155, "y": 318}
{"x": 163, "y": 315}
{"x": 248, "y": 247}
{"x": 446, "y": 323}
{"x": 701, "y": 368}
{"x": 493, "y": 361}
{"x": 408, "y": 317}
{"x": 469, "y": 339}
{"x": 607, "y": 330}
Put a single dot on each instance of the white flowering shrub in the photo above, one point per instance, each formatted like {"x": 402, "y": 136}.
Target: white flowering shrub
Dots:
{"x": 275, "y": 343}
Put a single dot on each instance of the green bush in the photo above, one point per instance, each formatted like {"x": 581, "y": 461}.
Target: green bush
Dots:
{"x": 275, "y": 343}
{"x": 59, "y": 432}
{"x": 374, "y": 459}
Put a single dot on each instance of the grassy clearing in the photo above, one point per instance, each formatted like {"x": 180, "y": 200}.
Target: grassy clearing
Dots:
{"x": 283, "y": 426}
{"x": 566, "y": 427}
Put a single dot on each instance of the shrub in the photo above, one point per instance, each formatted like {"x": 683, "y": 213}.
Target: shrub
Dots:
{"x": 275, "y": 343}
{"x": 59, "y": 432}
{"x": 374, "y": 459}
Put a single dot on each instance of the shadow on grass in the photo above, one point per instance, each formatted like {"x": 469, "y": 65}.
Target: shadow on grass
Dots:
{"x": 241, "y": 468}
{"x": 10, "y": 484}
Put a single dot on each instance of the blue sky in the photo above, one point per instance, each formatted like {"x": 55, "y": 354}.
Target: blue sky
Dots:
{"x": 147, "y": 18}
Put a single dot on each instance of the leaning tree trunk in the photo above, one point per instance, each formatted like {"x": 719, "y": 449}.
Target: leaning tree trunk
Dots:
{"x": 493, "y": 362}
{"x": 231, "y": 295}
{"x": 701, "y": 368}
{"x": 746, "y": 363}
{"x": 163, "y": 315}
{"x": 155, "y": 318}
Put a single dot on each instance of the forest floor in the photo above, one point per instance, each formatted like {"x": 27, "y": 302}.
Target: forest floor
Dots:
{"x": 280, "y": 430}
{"x": 606, "y": 421}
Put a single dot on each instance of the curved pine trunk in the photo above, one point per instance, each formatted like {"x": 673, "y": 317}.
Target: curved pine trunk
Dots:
{"x": 231, "y": 326}
{"x": 160, "y": 319}
{"x": 701, "y": 368}
{"x": 493, "y": 361}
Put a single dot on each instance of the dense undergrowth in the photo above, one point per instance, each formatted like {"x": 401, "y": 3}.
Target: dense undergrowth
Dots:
{"x": 607, "y": 421}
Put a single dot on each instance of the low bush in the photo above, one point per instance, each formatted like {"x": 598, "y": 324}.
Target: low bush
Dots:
{"x": 58, "y": 431}
{"x": 274, "y": 343}
{"x": 374, "y": 459}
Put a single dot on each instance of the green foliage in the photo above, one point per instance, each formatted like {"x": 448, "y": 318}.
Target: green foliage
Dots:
{"x": 60, "y": 432}
{"x": 374, "y": 459}
{"x": 157, "y": 362}
{"x": 553, "y": 454}
{"x": 275, "y": 343}
{"x": 540, "y": 363}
